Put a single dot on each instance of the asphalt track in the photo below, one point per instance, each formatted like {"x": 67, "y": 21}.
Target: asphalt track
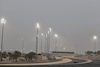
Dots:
{"x": 94, "y": 63}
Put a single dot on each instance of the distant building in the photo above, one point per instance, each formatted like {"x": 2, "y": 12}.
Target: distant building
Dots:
{"x": 62, "y": 52}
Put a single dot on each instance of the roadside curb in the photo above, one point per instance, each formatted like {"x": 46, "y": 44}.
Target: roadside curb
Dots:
{"x": 87, "y": 61}
{"x": 49, "y": 63}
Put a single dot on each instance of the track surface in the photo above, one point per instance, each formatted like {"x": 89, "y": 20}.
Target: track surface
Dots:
{"x": 94, "y": 63}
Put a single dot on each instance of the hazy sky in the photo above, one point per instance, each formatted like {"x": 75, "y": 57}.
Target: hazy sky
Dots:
{"x": 75, "y": 22}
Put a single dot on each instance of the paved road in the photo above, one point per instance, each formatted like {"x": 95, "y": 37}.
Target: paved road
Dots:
{"x": 74, "y": 61}
{"x": 95, "y": 63}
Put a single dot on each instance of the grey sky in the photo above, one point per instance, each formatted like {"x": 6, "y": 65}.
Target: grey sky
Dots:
{"x": 75, "y": 21}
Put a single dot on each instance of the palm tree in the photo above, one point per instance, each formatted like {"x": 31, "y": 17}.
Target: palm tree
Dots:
{"x": 16, "y": 54}
{"x": 4, "y": 54}
{"x": 26, "y": 56}
{"x": 98, "y": 52}
{"x": 10, "y": 55}
{"x": 30, "y": 55}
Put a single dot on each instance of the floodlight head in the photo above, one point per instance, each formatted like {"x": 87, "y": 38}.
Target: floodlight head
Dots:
{"x": 38, "y": 26}
{"x": 56, "y": 35}
{"x": 48, "y": 32}
{"x": 42, "y": 34}
{"x": 50, "y": 29}
{"x": 95, "y": 37}
{"x": 3, "y": 20}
